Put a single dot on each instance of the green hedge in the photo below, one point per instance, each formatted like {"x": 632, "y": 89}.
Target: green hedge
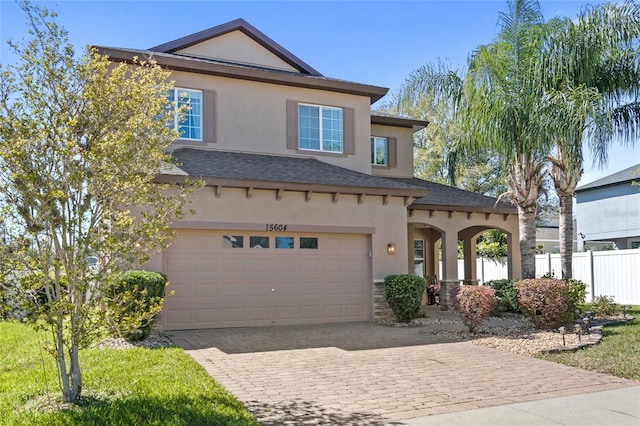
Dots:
{"x": 404, "y": 295}
{"x": 133, "y": 301}
{"x": 506, "y": 295}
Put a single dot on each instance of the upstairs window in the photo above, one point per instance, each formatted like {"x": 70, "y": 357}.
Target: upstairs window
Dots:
{"x": 191, "y": 125}
{"x": 320, "y": 128}
{"x": 379, "y": 151}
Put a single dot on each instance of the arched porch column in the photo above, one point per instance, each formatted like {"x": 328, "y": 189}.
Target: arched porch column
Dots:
{"x": 432, "y": 253}
{"x": 469, "y": 238}
{"x": 431, "y": 237}
{"x": 449, "y": 277}
{"x": 513, "y": 257}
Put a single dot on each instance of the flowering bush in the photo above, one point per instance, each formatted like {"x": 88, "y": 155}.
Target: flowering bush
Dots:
{"x": 474, "y": 304}
{"x": 547, "y": 301}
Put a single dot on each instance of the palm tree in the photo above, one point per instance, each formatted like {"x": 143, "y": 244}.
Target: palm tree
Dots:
{"x": 497, "y": 105}
{"x": 590, "y": 69}
{"x": 503, "y": 113}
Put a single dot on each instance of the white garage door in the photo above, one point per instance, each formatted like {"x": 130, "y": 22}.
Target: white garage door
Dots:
{"x": 241, "y": 278}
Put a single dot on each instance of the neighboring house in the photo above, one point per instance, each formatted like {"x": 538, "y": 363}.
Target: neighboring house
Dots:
{"x": 608, "y": 211}
{"x": 548, "y": 236}
{"x": 310, "y": 199}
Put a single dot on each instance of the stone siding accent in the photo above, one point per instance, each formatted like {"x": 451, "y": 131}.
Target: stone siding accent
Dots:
{"x": 381, "y": 309}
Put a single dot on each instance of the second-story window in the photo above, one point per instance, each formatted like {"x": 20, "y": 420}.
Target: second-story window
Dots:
{"x": 379, "y": 151}
{"x": 191, "y": 125}
{"x": 320, "y": 128}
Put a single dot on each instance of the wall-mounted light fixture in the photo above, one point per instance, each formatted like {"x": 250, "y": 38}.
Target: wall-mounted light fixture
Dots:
{"x": 391, "y": 248}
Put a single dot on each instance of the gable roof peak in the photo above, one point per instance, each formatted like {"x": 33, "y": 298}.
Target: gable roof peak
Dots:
{"x": 246, "y": 28}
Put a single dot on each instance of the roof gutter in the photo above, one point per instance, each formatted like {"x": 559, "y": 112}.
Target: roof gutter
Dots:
{"x": 199, "y": 66}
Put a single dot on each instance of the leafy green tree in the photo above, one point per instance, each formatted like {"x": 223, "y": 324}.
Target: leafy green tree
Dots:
{"x": 590, "y": 68}
{"x": 492, "y": 244}
{"x": 81, "y": 141}
{"x": 434, "y": 158}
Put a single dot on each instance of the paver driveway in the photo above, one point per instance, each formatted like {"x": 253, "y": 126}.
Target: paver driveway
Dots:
{"x": 364, "y": 373}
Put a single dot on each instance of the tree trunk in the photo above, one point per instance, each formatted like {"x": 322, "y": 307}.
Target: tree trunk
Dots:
{"x": 71, "y": 378}
{"x": 566, "y": 171}
{"x": 566, "y": 234}
{"x": 62, "y": 362}
{"x": 74, "y": 369}
{"x": 525, "y": 181}
{"x": 527, "y": 225}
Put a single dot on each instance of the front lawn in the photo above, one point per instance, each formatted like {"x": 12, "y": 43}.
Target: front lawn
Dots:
{"x": 121, "y": 387}
{"x": 618, "y": 353}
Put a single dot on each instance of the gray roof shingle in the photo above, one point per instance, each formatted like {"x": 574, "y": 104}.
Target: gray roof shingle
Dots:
{"x": 273, "y": 168}
{"x": 447, "y": 196}
{"x": 626, "y": 175}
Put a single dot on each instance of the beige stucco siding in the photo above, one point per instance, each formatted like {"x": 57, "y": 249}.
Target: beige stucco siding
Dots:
{"x": 236, "y": 47}
{"x": 387, "y": 224}
{"x": 251, "y": 117}
{"x": 404, "y": 151}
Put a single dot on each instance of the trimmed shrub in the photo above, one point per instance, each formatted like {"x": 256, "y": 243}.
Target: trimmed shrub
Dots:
{"x": 506, "y": 296}
{"x": 474, "y": 303}
{"x": 132, "y": 303}
{"x": 577, "y": 292}
{"x": 603, "y": 306}
{"x": 404, "y": 295}
{"x": 546, "y": 300}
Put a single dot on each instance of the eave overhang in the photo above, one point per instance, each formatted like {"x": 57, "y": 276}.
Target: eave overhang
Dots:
{"x": 292, "y": 186}
{"x": 247, "y": 29}
{"x": 175, "y": 62}
{"x": 384, "y": 120}
{"x": 465, "y": 209}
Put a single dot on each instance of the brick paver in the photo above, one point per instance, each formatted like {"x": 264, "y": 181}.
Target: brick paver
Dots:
{"x": 364, "y": 373}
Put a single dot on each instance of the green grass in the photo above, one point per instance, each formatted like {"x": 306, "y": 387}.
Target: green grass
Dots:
{"x": 618, "y": 353}
{"x": 120, "y": 386}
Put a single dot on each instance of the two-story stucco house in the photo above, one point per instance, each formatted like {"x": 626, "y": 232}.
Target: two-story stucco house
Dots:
{"x": 310, "y": 199}
{"x": 608, "y": 210}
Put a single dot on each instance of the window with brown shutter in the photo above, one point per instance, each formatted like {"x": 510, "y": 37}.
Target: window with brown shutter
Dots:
{"x": 320, "y": 128}
{"x": 384, "y": 151}
{"x": 210, "y": 124}
{"x": 392, "y": 152}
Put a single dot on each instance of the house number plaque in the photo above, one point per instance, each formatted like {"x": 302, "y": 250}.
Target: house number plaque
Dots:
{"x": 275, "y": 227}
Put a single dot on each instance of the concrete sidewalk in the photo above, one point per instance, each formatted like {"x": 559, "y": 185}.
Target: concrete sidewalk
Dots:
{"x": 618, "y": 407}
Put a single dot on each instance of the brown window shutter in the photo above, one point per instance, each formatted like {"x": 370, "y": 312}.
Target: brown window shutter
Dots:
{"x": 209, "y": 119}
{"x": 292, "y": 124}
{"x": 392, "y": 154}
{"x": 348, "y": 129}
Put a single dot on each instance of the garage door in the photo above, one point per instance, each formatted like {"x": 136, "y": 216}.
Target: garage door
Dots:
{"x": 237, "y": 279}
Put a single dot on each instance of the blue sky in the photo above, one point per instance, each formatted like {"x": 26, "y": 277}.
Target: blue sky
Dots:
{"x": 372, "y": 42}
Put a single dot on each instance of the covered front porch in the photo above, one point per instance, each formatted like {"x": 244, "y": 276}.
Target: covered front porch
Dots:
{"x": 447, "y": 215}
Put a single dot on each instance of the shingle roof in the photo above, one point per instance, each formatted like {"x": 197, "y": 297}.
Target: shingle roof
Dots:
{"x": 280, "y": 169}
{"x": 626, "y": 175}
{"x": 442, "y": 196}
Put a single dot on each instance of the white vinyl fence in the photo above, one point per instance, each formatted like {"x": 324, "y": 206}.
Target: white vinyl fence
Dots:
{"x": 613, "y": 273}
